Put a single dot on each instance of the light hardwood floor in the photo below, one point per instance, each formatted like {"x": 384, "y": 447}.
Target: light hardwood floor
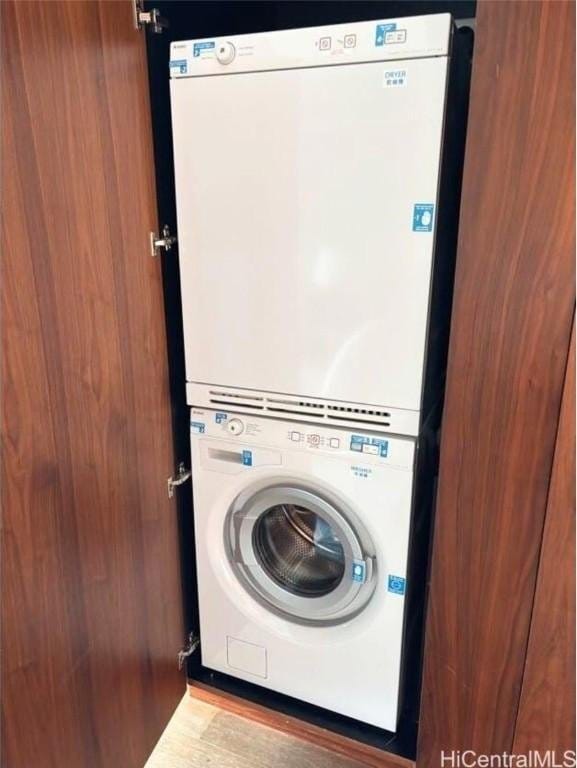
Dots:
{"x": 200, "y": 734}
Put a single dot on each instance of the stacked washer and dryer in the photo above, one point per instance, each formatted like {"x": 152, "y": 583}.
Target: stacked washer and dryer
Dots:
{"x": 307, "y": 175}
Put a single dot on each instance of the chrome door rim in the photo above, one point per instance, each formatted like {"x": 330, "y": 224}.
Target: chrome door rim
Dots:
{"x": 348, "y": 596}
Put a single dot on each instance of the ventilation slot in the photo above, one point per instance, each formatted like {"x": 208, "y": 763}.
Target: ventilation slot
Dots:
{"x": 276, "y": 405}
{"x": 359, "y": 411}
{"x": 296, "y": 407}
{"x": 235, "y": 395}
{"x": 237, "y": 404}
{"x": 308, "y": 414}
{"x": 299, "y": 403}
{"x": 360, "y": 420}
{"x": 236, "y": 400}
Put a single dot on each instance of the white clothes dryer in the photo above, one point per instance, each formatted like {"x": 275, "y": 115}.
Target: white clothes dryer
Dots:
{"x": 307, "y": 171}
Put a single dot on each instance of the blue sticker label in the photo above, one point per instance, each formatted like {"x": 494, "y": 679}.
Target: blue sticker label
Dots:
{"x": 423, "y": 217}
{"x": 179, "y": 66}
{"x": 247, "y": 458}
{"x": 388, "y": 34}
{"x": 374, "y": 446}
{"x": 381, "y": 33}
{"x": 359, "y": 571}
{"x": 197, "y": 426}
{"x": 198, "y": 48}
{"x": 397, "y": 585}
{"x": 220, "y": 417}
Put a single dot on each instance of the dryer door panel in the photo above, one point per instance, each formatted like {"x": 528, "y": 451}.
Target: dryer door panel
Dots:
{"x": 303, "y": 269}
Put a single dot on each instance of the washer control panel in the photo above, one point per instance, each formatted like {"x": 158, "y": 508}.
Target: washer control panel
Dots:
{"x": 313, "y": 439}
{"x": 249, "y": 433}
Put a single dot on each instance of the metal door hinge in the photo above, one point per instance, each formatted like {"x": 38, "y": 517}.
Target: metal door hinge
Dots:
{"x": 182, "y": 476}
{"x": 166, "y": 241}
{"x": 191, "y": 645}
{"x": 151, "y": 18}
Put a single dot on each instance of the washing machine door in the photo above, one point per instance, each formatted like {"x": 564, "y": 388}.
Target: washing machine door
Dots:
{"x": 300, "y": 553}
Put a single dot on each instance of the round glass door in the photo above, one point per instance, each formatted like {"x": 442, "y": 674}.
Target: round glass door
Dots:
{"x": 300, "y": 552}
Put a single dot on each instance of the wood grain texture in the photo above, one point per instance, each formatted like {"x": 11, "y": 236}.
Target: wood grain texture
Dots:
{"x": 512, "y": 316}
{"x": 91, "y": 613}
{"x": 201, "y": 734}
{"x": 546, "y": 718}
{"x": 363, "y": 754}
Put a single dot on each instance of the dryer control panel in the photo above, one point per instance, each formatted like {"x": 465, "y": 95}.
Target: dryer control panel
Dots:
{"x": 380, "y": 40}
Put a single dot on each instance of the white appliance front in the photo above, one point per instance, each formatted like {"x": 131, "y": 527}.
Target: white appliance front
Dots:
{"x": 301, "y": 542}
{"x": 306, "y": 181}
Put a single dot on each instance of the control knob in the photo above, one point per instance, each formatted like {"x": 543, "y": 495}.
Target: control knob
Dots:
{"x": 235, "y": 427}
{"x": 225, "y": 52}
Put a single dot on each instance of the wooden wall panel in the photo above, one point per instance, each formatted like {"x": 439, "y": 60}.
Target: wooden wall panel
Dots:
{"x": 513, "y": 307}
{"x": 91, "y": 613}
{"x": 546, "y": 718}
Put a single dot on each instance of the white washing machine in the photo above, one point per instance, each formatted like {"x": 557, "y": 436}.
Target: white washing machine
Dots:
{"x": 302, "y": 535}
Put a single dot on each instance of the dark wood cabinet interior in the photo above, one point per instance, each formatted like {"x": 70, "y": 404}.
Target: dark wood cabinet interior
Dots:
{"x": 97, "y": 563}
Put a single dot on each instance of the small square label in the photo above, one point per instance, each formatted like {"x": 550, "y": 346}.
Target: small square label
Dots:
{"x": 220, "y": 417}
{"x": 178, "y": 67}
{"x": 350, "y": 41}
{"x": 359, "y": 569}
{"x": 325, "y": 43}
{"x": 397, "y": 585}
{"x": 372, "y": 445}
{"x": 247, "y": 458}
{"x": 423, "y": 217}
{"x": 200, "y": 49}
{"x": 197, "y": 426}
{"x": 382, "y": 31}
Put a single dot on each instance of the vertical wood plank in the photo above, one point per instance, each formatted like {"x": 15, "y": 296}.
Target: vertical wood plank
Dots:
{"x": 512, "y": 316}
{"x": 91, "y": 613}
{"x": 546, "y": 718}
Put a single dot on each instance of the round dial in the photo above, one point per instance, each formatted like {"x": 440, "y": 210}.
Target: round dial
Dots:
{"x": 235, "y": 427}
{"x": 225, "y": 52}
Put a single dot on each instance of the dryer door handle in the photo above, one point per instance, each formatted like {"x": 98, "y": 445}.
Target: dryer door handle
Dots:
{"x": 241, "y": 526}
{"x": 369, "y": 563}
